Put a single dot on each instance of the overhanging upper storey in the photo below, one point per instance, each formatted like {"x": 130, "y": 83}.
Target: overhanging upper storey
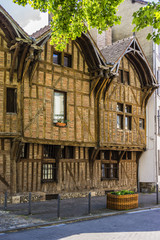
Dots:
{"x": 130, "y": 48}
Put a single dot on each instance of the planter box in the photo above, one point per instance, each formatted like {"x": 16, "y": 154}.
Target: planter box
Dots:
{"x": 60, "y": 124}
{"x": 122, "y": 202}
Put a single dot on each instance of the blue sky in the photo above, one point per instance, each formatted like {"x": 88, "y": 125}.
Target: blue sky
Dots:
{"x": 29, "y": 19}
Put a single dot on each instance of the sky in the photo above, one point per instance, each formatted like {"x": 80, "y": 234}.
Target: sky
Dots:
{"x": 29, "y": 19}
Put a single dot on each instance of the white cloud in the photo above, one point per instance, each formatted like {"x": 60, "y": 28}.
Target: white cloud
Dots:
{"x": 29, "y": 19}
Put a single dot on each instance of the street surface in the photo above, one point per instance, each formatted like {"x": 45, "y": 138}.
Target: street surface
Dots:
{"x": 142, "y": 225}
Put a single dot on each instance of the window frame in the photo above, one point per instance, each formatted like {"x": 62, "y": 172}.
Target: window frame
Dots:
{"x": 109, "y": 171}
{"x": 59, "y": 54}
{"x": 143, "y": 127}
{"x": 25, "y": 151}
{"x": 121, "y": 77}
{"x": 14, "y": 101}
{"x": 65, "y": 107}
{"x": 69, "y": 57}
{"x": 52, "y": 172}
{"x": 123, "y": 115}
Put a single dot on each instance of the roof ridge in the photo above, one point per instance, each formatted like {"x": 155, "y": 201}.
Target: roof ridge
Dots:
{"x": 119, "y": 41}
{"x": 40, "y": 32}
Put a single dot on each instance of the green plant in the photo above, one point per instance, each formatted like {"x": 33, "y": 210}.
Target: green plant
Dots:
{"x": 122, "y": 192}
{"x": 61, "y": 120}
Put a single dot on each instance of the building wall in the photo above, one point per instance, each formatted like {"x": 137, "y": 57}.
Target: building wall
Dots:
{"x": 128, "y": 95}
{"x": 148, "y": 160}
{"x": 38, "y": 98}
{"x": 126, "y": 10}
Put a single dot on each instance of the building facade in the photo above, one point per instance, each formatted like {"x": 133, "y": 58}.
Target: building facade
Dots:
{"x": 149, "y": 163}
{"x": 71, "y": 121}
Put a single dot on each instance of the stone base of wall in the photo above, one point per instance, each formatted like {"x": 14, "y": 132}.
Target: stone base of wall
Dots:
{"x": 147, "y": 187}
{"x": 41, "y": 196}
{"x": 22, "y": 198}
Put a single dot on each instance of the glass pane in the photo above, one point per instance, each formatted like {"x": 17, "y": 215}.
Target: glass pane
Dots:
{"x": 57, "y": 58}
{"x": 120, "y": 77}
{"x": 126, "y": 77}
{"x": 67, "y": 60}
{"x": 120, "y": 121}
{"x": 120, "y": 107}
{"x": 11, "y": 100}
{"x": 128, "y": 109}
{"x": 103, "y": 171}
{"x": 59, "y": 99}
{"x": 141, "y": 123}
{"x": 128, "y": 123}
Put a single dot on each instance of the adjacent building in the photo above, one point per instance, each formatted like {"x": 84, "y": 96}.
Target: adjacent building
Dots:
{"x": 149, "y": 164}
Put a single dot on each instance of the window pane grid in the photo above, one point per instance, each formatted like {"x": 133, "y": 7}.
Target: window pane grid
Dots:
{"x": 49, "y": 171}
{"x": 109, "y": 170}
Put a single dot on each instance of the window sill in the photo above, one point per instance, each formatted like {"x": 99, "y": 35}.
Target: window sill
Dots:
{"x": 11, "y": 113}
{"x": 48, "y": 181}
{"x": 109, "y": 179}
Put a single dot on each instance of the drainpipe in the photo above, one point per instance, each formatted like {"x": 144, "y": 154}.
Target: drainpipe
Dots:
{"x": 155, "y": 120}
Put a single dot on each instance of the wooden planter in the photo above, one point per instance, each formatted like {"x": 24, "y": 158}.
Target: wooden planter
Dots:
{"x": 122, "y": 202}
{"x": 60, "y": 124}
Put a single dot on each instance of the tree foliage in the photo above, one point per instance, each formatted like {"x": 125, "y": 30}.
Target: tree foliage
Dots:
{"x": 148, "y": 16}
{"x": 72, "y": 17}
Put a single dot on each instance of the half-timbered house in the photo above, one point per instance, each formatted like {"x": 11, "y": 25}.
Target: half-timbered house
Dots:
{"x": 71, "y": 121}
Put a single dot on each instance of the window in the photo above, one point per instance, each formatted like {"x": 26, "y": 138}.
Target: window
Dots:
{"x": 67, "y": 60}
{"x": 128, "y": 122}
{"x": 57, "y": 58}
{"x": 120, "y": 121}
{"x": 49, "y": 151}
{"x": 141, "y": 123}
{"x": 11, "y": 106}
{"x": 59, "y": 106}
{"x": 126, "y": 77}
{"x": 48, "y": 172}
{"x": 119, "y": 107}
{"x": 120, "y": 76}
{"x": 68, "y": 152}
{"x": 124, "y": 114}
{"x": 127, "y": 156}
{"x": 123, "y": 77}
{"x": 25, "y": 151}
{"x": 109, "y": 170}
{"x": 128, "y": 109}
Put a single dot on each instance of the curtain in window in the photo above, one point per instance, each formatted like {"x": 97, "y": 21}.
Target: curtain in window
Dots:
{"x": 59, "y": 106}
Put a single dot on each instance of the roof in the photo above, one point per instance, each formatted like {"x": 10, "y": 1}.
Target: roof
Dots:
{"x": 131, "y": 49}
{"x": 114, "y": 51}
{"x": 90, "y": 51}
{"x": 11, "y": 27}
{"x": 40, "y": 32}
{"x": 140, "y": 1}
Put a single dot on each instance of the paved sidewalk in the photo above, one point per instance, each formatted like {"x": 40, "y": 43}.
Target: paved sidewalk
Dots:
{"x": 76, "y": 209}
